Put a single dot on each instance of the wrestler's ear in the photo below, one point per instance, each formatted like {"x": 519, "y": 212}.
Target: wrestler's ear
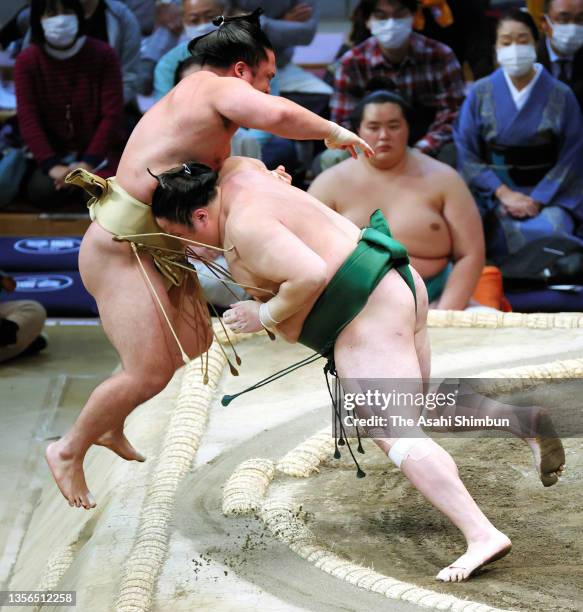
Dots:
{"x": 242, "y": 71}
{"x": 200, "y": 217}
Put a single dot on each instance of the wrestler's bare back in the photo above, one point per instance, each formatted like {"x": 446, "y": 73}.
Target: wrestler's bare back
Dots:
{"x": 182, "y": 126}
{"x": 250, "y": 192}
{"x": 411, "y": 199}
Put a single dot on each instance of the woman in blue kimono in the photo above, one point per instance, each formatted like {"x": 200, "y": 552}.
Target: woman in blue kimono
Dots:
{"x": 519, "y": 138}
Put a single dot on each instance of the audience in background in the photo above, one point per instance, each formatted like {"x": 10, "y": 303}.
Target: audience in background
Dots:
{"x": 13, "y": 162}
{"x": 423, "y": 70}
{"x": 427, "y": 205}
{"x": 560, "y": 50}
{"x": 520, "y": 147}
{"x": 468, "y": 35}
{"x": 195, "y": 19}
{"x": 519, "y": 136}
{"x": 13, "y": 31}
{"x": 69, "y": 101}
{"x": 114, "y": 23}
{"x": 145, "y": 13}
{"x": 200, "y": 23}
{"x": 463, "y": 26}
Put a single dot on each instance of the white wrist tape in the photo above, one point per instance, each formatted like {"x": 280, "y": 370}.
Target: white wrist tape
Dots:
{"x": 413, "y": 448}
{"x": 265, "y": 317}
{"x": 339, "y": 135}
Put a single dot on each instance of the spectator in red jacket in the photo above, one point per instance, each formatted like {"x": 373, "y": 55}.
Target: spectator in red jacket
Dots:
{"x": 69, "y": 100}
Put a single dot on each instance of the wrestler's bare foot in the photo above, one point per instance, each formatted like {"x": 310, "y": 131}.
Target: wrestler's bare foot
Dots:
{"x": 119, "y": 444}
{"x": 547, "y": 450}
{"x": 67, "y": 471}
{"x": 492, "y": 547}
{"x": 549, "y": 458}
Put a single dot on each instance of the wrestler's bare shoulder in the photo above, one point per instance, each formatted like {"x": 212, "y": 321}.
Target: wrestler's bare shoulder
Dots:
{"x": 196, "y": 88}
{"x": 208, "y": 85}
{"x": 194, "y": 82}
{"x": 340, "y": 171}
{"x": 432, "y": 169}
{"x": 330, "y": 185}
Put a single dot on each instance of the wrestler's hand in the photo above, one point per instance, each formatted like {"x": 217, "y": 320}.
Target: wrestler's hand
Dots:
{"x": 243, "y": 317}
{"x": 341, "y": 138}
{"x": 282, "y": 175}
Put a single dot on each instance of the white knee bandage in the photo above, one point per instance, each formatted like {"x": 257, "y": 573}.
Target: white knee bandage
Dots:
{"x": 410, "y": 448}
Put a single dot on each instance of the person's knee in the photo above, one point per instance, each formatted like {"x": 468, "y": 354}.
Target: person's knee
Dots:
{"x": 411, "y": 448}
{"x": 29, "y": 315}
{"x": 35, "y": 309}
{"x": 37, "y": 316}
{"x": 149, "y": 383}
{"x": 407, "y": 450}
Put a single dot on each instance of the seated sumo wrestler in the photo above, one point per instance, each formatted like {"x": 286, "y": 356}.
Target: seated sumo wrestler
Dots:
{"x": 428, "y": 206}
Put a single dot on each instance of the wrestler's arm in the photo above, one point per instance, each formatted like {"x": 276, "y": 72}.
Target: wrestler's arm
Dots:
{"x": 272, "y": 252}
{"x": 462, "y": 216}
{"x": 239, "y": 102}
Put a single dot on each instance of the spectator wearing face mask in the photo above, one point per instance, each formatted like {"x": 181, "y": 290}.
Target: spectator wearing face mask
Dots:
{"x": 69, "y": 101}
{"x": 114, "y": 23}
{"x": 560, "y": 50}
{"x": 520, "y": 148}
{"x": 195, "y": 19}
{"x": 423, "y": 70}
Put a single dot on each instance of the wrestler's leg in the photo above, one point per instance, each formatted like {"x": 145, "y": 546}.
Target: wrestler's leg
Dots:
{"x": 380, "y": 344}
{"x": 530, "y": 423}
{"x": 133, "y": 322}
{"x": 191, "y": 328}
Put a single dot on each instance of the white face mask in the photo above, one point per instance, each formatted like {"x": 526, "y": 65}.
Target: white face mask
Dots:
{"x": 61, "y": 30}
{"x": 392, "y": 33}
{"x": 567, "y": 37}
{"x": 194, "y": 31}
{"x": 517, "y": 60}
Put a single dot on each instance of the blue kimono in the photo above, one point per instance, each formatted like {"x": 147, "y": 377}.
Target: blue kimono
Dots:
{"x": 537, "y": 150}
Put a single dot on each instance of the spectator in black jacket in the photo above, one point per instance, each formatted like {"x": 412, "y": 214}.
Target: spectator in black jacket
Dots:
{"x": 560, "y": 50}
